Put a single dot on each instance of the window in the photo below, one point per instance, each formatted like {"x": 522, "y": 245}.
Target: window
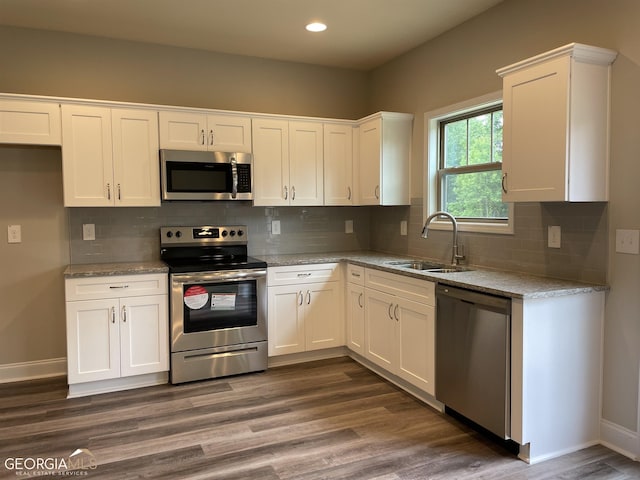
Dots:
{"x": 464, "y": 165}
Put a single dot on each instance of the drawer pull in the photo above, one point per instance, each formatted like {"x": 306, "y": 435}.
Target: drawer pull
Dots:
{"x": 304, "y": 275}
{"x": 354, "y": 274}
{"x": 114, "y": 287}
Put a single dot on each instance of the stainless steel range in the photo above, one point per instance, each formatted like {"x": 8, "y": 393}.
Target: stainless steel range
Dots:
{"x": 218, "y": 302}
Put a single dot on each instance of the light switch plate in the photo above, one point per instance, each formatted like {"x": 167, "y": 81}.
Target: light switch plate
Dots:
{"x": 14, "y": 234}
{"x": 628, "y": 241}
{"x": 554, "y": 236}
{"x": 88, "y": 231}
{"x": 348, "y": 226}
{"x": 275, "y": 227}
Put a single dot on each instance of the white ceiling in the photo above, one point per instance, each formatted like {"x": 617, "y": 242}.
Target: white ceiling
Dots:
{"x": 362, "y": 34}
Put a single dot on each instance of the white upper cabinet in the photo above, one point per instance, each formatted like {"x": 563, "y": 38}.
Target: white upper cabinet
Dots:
{"x": 195, "y": 131}
{"x": 288, "y": 162}
{"x": 556, "y": 126}
{"x": 30, "y": 122}
{"x": 110, "y": 157}
{"x": 385, "y": 159}
{"x": 338, "y": 164}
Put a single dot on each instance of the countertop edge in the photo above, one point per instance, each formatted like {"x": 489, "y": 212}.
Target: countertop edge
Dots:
{"x": 114, "y": 269}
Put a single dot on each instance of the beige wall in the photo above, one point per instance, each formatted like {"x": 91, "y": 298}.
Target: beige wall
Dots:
{"x": 461, "y": 64}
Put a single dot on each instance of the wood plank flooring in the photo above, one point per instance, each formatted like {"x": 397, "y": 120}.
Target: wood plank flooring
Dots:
{"x": 331, "y": 419}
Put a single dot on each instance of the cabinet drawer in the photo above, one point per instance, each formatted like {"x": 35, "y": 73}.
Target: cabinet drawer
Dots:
{"x": 422, "y": 291}
{"x": 325, "y": 272}
{"x": 88, "y": 288}
{"x": 355, "y": 274}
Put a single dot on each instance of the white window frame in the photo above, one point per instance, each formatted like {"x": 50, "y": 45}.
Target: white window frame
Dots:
{"x": 431, "y": 157}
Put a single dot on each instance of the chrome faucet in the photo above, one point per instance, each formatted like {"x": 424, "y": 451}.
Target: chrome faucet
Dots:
{"x": 455, "y": 255}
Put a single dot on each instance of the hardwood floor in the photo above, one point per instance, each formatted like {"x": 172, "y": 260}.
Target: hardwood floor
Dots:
{"x": 331, "y": 419}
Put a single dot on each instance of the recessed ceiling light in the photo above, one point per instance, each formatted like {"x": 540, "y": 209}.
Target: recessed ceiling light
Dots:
{"x": 316, "y": 27}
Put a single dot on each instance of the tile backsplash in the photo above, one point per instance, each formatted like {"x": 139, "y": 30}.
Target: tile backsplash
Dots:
{"x": 132, "y": 234}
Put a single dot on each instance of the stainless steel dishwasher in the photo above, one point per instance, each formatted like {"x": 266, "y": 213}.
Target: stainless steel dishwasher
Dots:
{"x": 473, "y": 356}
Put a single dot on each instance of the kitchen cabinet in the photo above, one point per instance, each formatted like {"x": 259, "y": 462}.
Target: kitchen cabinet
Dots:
{"x": 339, "y": 186}
{"x": 400, "y": 326}
{"x": 30, "y": 122}
{"x": 304, "y": 308}
{"x": 385, "y": 159}
{"x": 200, "y": 131}
{"x": 109, "y": 157}
{"x": 556, "y": 126}
{"x": 117, "y": 327}
{"x": 355, "y": 318}
{"x": 288, "y": 162}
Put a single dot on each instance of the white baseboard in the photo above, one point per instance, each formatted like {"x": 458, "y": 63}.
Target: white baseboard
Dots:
{"x": 619, "y": 439}
{"x": 17, "y": 372}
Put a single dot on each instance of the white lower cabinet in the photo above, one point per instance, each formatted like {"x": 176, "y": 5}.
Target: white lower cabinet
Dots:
{"x": 399, "y": 326}
{"x": 305, "y": 308}
{"x": 116, "y": 327}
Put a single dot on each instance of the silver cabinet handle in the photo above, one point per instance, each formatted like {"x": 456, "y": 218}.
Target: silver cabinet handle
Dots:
{"x": 354, "y": 274}
{"x": 348, "y": 193}
{"x": 119, "y": 193}
{"x": 286, "y": 192}
{"x": 108, "y": 191}
{"x": 301, "y": 297}
{"x": 113, "y": 287}
{"x": 308, "y": 297}
{"x": 113, "y": 314}
{"x": 389, "y": 312}
{"x": 124, "y": 313}
{"x": 304, "y": 275}
{"x": 360, "y": 301}
{"x": 211, "y": 139}
{"x": 377, "y": 192}
{"x": 293, "y": 192}
{"x": 395, "y": 313}
{"x": 504, "y": 182}
{"x": 202, "y": 137}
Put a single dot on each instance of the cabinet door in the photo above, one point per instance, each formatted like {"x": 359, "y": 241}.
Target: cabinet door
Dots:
{"x": 286, "y": 322}
{"x": 87, "y": 164}
{"x": 36, "y": 123}
{"x": 270, "y": 162}
{"x": 535, "y": 107}
{"x": 338, "y": 164}
{"x": 135, "y": 157}
{"x": 183, "y": 131}
{"x": 144, "y": 336}
{"x": 380, "y": 329}
{"x": 370, "y": 162}
{"x": 355, "y": 318}
{"x": 93, "y": 347}
{"x": 323, "y": 319}
{"x": 306, "y": 164}
{"x": 229, "y": 133}
{"x": 416, "y": 344}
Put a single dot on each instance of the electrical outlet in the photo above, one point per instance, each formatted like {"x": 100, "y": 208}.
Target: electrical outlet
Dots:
{"x": 554, "y": 236}
{"x": 88, "y": 231}
{"x": 348, "y": 226}
{"x": 628, "y": 241}
{"x": 403, "y": 228}
{"x": 275, "y": 227}
{"x": 14, "y": 234}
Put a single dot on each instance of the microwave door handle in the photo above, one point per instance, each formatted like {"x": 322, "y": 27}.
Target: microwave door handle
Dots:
{"x": 234, "y": 177}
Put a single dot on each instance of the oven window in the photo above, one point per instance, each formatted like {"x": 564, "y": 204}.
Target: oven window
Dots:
{"x": 220, "y": 305}
{"x": 198, "y": 177}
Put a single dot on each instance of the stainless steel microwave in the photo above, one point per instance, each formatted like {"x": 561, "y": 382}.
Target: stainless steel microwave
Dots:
{"x": 188, "y": 175}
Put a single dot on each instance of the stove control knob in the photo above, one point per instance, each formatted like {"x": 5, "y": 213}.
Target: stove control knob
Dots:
{"x": 178, "y": 234}
{"x": 224, "y": 233}
{"x": 232, "y": 233}
{"x": 240, "y": 233}
{"x": 169, "y": 234}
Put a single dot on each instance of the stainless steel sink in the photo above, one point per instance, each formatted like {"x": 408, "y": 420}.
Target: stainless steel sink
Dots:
{"x": 431, "y": 267}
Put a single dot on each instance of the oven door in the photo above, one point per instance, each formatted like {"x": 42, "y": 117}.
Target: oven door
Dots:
{"x": 214, "y": 309}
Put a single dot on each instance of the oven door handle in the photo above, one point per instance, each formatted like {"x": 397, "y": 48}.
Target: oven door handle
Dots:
{"x": 221, "y": 276}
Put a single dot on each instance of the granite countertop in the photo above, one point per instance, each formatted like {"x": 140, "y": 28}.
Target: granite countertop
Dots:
{"x": 510, "y": 284}
{"x": 112, "y": 269}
